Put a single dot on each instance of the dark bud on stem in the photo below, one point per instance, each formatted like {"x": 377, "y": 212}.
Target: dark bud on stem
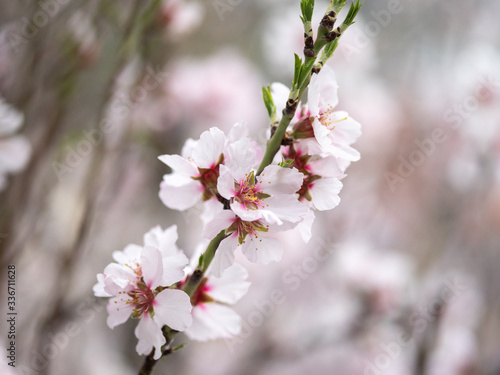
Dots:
{"x": 291, "y": 106}
{"x": 309, "y": 46}
{"x": 328, "y": 21}
{"x": 332, "y": 35}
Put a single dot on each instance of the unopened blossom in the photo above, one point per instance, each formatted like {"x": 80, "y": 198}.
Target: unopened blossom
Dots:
{"x": 14, "y": 149}
{"x": 139, "y": 286}
{"x": 212, "y": 317}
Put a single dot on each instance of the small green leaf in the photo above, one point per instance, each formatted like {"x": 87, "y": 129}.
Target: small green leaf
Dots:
{"x": 285, "y": 163}
{"x": 307, "y": 7}
{"x": 296, "y": 73}
{"x": 306, "y": 71}
{"x": 268, "y": 101}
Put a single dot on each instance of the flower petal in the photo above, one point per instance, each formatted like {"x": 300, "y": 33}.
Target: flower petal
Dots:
{"x": 278, "y": 180}
{"x": 262, "y": 249}
{"x": 224, "y": 256}
{"x": 163, "y": 240}
{"x": 179, "y": 165}
{"x": 150, "y": 336}
{"x": 209, "y": 148}
{"x": 212, "y": 321}
{"x": 180, "y": 197}
{"x": 152, "y": 266}
{"x": 173, "y": 269}
{"x": 221, "y": 221}
{"x": 119, "y": 311}
{"x": 173, "y": 308}
{"x": 231, "y": 286}
{"x": 325, "y": 193}
{"x": 225, "y": 183}
{"x": 322, "y": 92}
{"x": 130, "y": 255}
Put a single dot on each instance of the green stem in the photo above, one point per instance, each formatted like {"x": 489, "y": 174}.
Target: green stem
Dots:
{"x": 196, "y": 277}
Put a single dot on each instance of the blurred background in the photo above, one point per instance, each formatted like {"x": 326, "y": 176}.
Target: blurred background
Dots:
{"x": 401, "y": 278}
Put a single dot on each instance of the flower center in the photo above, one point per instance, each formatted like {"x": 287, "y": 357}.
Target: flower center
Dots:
{"x": 327, "y": 118}
{"x": 249, "y": 194}
{"x": 142, "y": 298}
{"x": 245, "y": 228}
{"x": 200, "y": 294}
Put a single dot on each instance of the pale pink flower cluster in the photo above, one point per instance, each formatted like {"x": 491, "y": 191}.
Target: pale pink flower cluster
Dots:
{"x": 145, "y": 283}
{"x": 283, "y": 197}
{"x": 247, "y": 208}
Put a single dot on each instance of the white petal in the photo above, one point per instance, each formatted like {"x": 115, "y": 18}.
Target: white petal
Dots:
{"x": 163, "y": 240}
{"x": 150, "y": 336}
{"x": 241, "y": 156}
{"x": 238, "y": 131}
{"x": 224, "y": 256}
{"x": 223, "y": 220}
{"x": 180, "y": 197}
{"x": 278, "y": 180}
{"x": 280, "y": 94}
{"x": 179, "y": 165}
{"x": 262, "y": 249}
{"x": 230, "y": 287}
{"x": 326, "y": 167}
{"x": 119, "y": 311}
{"x": 152, "y": 266}
{"x": 225, "y": 183}
{"x": 212, "y": 321}
{"x": 98, "y": 288}
{"x": 286, "y": 208}
{"x": 14, "y": 153}
{"x": 209, "y": 148}
{"x": 130, "y": 255}
{"x": 173, "y": 308}
{"x": 321, "y": 134}
{"x": 247, "y": 214}
{"x": 325, "y": 193}
{"x": 322, "y": 93}
{"x": 305, "y": 226}
{"x": 173, "y": 269}
{"x": 119, "y": 275}
{"x": 187, "y": 149}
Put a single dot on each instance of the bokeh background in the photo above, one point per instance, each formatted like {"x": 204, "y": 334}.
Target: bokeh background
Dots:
{"x": 402, "y": 278}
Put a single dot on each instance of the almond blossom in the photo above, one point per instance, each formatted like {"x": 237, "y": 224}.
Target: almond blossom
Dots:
{"x": 195, "y": 173}
{"x": 139, "y": 286}
{"x": 250, "y": 236}
{"x": 212, "y": 318}
{"x": 326, "y": 131}
{"x": 269, "y": 196}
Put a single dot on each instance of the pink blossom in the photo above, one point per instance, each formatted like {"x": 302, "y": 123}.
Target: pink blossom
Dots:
{"x": 212, "y": 317}
{"x": 139, "y": 286}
